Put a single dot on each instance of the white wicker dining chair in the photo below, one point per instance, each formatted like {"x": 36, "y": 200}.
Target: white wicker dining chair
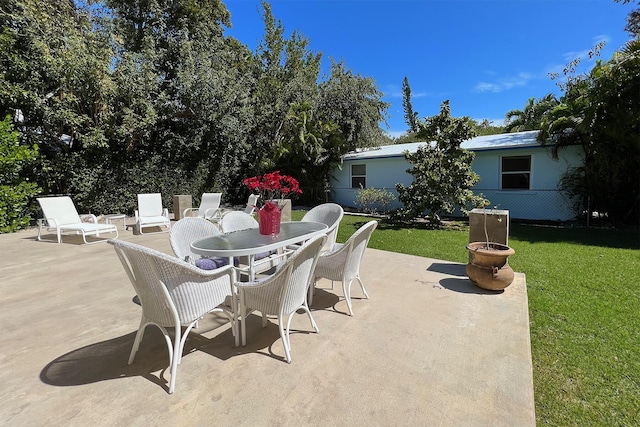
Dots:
{"x": 343, "y": 263}
{"x": 173, "y": 294}
{"x": 329, "y": 214}
{"x": 282, "y": 293}
{"x": 237, "y": 220}
{"x": 188, "y": 230}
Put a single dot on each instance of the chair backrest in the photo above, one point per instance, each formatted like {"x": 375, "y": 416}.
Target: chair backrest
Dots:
{"x": 170, "y": 290}
{"x": 359, "y": 241}
{"x": 330, "y": 214}
{"x": 302, "y": 264}
{"x": 209, "y": 203}
{"x": 61, "y": 209}
{"x": 150, "y": 204}
{"x": 251, "y": 203}
{"x": 186, "y": 231}
{"x": 237, "y": 220}
{"x": 289, "y": 284}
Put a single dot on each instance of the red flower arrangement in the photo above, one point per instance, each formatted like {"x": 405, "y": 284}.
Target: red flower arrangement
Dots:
{"x": 272, "y": 186}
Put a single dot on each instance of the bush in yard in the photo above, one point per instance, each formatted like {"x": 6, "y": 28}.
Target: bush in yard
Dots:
{"x": 372, "y": 200}
{"x": 441, "y": 170}
{"x": 15, "y": 191}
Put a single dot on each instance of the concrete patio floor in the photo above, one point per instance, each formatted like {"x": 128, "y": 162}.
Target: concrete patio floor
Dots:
{"x": 428, "y": 348}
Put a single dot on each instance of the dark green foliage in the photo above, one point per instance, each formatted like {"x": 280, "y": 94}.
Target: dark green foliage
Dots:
{"x": 410, "y": 117}
{"x": 15, "y": 192}
{"x": 128, "y": 97}
{"x": 531, "y": 117}
{"x": 600, "y": 112}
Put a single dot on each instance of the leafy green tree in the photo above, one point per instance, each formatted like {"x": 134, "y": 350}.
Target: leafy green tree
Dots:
{"x": 150, "y": 96}
{"x": 531, "y": 117}
{"x": 15, "y": 192}
{"x": 286, "y": 73}
{"x": 633, "y": 20}
{"x": 354, "y": 104}
{"x": 600, "y": 112}
{"x": 486, "y": 128}
{"x": 56, "y": 73}
{"x": 183, "y": 102}
{"x": 410, "y": 117}
{"x": 442, "y": 174}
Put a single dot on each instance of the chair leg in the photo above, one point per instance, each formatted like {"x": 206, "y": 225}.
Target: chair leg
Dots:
{"x": 311, "y": 319}
{"x": 136, "y": 341}
{"x": 364, "y": 291}
{"x": 346, "y": 289}
{"x": 243, "y": 319}
{"x": 175, "y": 360}
{"x": 284, "y": 334}
{"x": 312, "y": 288}
{"x": 184, "y": 339}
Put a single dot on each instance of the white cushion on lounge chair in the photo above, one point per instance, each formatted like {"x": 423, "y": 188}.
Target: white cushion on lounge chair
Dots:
{"x": 150, "y": 212}
{"x": 60, "y": 215}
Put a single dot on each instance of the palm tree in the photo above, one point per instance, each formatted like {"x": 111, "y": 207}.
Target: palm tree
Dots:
{"x": 531, "y": 117}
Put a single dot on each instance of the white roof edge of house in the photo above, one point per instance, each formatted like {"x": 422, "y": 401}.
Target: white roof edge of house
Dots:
{"x": 479, "y": 143}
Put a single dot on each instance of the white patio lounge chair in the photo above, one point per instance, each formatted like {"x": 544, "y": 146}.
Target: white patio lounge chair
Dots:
{"x": 252, "y": 202}
{"x": 343, "y": 263}
{"x": 60, "y": 215}
{"x": 283, "y": 293}
{"x": 150, "y": 212}
{"x": 209, "y": 208}
{"x": 173, "y": 294}
{"x": 249, "y": 209}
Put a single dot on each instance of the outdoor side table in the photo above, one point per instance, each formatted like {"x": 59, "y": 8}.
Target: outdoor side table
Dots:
{"x": 109, "y": 218}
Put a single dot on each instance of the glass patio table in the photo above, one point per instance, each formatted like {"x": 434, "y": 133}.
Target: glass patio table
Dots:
{"x": 250, "y": 242}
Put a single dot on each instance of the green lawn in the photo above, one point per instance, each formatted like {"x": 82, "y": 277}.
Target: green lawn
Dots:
{"x": 584, "y": 307}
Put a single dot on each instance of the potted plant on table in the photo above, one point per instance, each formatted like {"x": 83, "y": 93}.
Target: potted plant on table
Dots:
{"x": 488, "y": 266}
{"x": 271, "y": 187}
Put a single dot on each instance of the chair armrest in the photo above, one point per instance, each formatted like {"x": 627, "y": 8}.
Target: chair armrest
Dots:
{"x": 184, "y": 213}
{"x": 51, "y": 222}
{"x": 212, "y": 213}
{"x": 165, "y": 213}
{"x": 92, "y": 217}
{"x": 340, "y": 251}
{"x": 137, "y": 215}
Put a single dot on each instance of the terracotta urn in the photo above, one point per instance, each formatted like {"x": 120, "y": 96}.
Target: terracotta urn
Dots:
{"x": 488, "y": 267}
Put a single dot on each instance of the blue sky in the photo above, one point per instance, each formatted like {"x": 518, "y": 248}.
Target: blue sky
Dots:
{"x": 485, "y": 56}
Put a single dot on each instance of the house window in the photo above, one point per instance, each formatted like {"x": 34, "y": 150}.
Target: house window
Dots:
{"x": 516, "y": 173}
{"x": 358, "y": 176}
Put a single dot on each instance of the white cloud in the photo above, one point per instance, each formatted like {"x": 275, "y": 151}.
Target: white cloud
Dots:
{"x": 584, "y": 54}
{"x": 506, "y": 83}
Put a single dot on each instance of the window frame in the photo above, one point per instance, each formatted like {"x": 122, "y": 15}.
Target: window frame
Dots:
{"x": 362, "y": 178}
{"x": 515, "y": 173}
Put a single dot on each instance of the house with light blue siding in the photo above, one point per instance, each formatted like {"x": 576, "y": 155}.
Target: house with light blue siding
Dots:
{"x": 516, "y": 173}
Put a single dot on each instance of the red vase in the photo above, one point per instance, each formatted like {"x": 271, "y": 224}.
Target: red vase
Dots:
{"x": 269, "y": 219}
